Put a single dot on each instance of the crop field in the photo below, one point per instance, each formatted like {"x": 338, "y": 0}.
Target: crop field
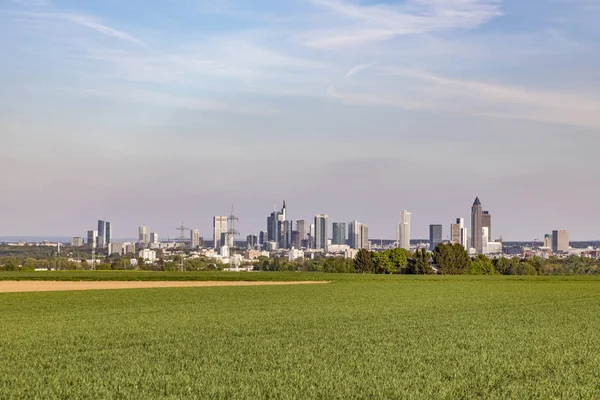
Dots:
{"x": 356, "y": 337}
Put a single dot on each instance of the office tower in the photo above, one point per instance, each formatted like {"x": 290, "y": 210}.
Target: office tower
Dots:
{"x": 263, "y": 238}
{"x": 455, "y": 232}
{"x": 144, "y": 235}
{"x": 364, "y": 236}
{"x": 251, "y": 241}
{"x": 287, "y": 234}
{"x": 485, "y": 238}
{"x": 311, "y": 236}
{"x": 435, "y": 236}
{"x": 92, "y": 239}
{"x": 339, "y": 233}
{"x": 548, "y": 240}
{"x": 464, "y": 235}
{"x": 101, "y": 240}
{"x": 77, "y": 242}
{"x": 403, "y": 231}
{"x": 195, "y": 238}
{"x": 219, "y": 231}
{"x": 560, "y": 241}
{"x": 108, "y": 233}
{"x": 301, "y": 228}
{"x": 487, "y": 223}
{"x": 296, "y": 242}
{"x": 154, "y": 238}
{"x": 476, "y": 226}
{"x": 321, "y": 231}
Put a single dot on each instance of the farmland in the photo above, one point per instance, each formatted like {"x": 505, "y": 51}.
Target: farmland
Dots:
{"x": 357, "y": 337}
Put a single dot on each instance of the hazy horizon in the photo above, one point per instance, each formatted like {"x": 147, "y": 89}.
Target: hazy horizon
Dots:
{"x": 153, "y": 113}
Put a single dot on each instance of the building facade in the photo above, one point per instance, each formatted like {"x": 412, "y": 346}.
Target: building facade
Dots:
{"x": 339, "y": 233}
{"x": 435, "y": 236}
{"x": 403, "y": 231}
{"x": 321, "y": 231}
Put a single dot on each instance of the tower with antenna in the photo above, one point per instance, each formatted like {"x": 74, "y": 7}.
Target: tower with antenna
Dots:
{"x": 231, "y": 231}
{"x": 182, "y": 229}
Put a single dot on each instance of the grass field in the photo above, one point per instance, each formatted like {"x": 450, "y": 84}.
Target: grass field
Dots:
{"x": 359, "y": 337}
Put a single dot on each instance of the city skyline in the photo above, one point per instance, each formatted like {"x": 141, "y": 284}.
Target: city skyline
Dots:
{"x": 325, "y": 102}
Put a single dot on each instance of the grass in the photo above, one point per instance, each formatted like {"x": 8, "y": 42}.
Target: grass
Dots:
{"x": 358, "y": 337}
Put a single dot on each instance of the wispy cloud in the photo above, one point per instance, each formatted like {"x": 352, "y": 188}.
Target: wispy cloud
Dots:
{"x": 414, "y": 89}
{"x": 368, "y": 23}
{"x": 80, "y": 19}
{"x": 358, "y": 68}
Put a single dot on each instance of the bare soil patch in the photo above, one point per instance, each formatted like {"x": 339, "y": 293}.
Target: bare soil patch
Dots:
{"x": 53, "y": 286}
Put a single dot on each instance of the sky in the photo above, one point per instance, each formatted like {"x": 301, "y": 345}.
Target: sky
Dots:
{"x": 148, "y": 112}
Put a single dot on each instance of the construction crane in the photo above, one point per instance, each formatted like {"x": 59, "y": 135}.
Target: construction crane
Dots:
{"x": 182, "y": 229}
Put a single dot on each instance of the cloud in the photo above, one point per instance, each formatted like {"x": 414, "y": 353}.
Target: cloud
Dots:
{"x": 414, "y": 89}
{"x": 358, "y": 68}
{"x": 369, "y": 23}
{"x": 82, "y": 20}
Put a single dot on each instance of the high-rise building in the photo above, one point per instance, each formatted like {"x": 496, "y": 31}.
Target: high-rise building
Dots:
{"x": 92, "y": 239}
{"x": 339, "y": 233}
{"x": 455, "y": 233}
{"x": 358, "y": 235}
{"x": 219, "y": 231}
{"x": 321, "y": 231}
{"x": 296, "y": 242}
{"x": 154, "y": 238}
{"x": 195, "y": 238}
{"x": 109, "y": 235}
{"x": 144, "y": 235}
{"x": 77, "y": 242}
{"x": 548, "y": 240}
{"x": 403, "y": 231}
{"x": 485, "y": 239}
{"x": 364, "y": 237}
{"x": 476, "y": 226}
{"x": 435, "y": 236}
{"x": 487, "y": 223}
{"x": 464, "y": 234}
{"x": 560, "y": 241}
{"x": 101, "y": 240}
{"x": 251, "y": 241}
{"x": 311, "y": 238}
{"x": 301, "y": 227}
{"x": 263, "y": 238}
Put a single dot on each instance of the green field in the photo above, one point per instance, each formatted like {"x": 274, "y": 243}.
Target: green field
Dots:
{"x": 357, "y": 337}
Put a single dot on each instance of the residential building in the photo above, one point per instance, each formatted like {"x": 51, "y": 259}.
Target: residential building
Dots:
{"x": 219, "y": 231}
{"x": 147, "y": 255}
{"x": 560, "y": 241}
{"x": 154, "y": 238}
{"x": 403, "y": 231}
{"x": 435, "y": 236}
{"x": 358, "y": 235}
{"x": 195, "y": 238}
{"x": 339, "y": 233}
{"x": 77, "y": 242}
{"x": 321, "y": 231}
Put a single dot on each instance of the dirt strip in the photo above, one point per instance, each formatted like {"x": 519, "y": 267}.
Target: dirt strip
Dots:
{"x": 53, "y": 286}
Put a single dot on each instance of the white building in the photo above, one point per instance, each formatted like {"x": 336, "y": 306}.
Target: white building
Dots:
{"x": 147, "y": 255}
{"x": 144, "y": 235}
{"x": 403, "y": 231}
{"x": 77, "y": 242}
{"x": 219, "y": 230}
{"x": 295, "y": 254}
{"x": 195, "y": 238}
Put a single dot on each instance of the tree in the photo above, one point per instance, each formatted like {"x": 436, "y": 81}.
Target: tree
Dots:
{"x": 399, "y": 257}
{"x": 451, "y": 259}
{"x": 418, "y": 264}
{"x": 481, "y": 265}
{"x": 382, "y": 263}
{"x": 363, "y": 263}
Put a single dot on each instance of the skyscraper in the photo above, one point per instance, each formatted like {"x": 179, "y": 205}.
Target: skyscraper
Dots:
{"x": 435, "y": 236}
{"x": 154, "y": 238}
{"x": 403, "y": 231}
{"x": 321, "y": 231}
{"x": 219, "y": 230}
{"x": 287, "y": 235}
{"x": 108, "y": 233}
{"x": 101, "y": 240}
{"x": 301, "y": 227}
{"x": 144, "y": 235}
{"x": 487, "y": 223}
{"x": 339, "y": 233}
{"x": 195, "y": 238}
{"x": 455, "y": 232}
{"x": 476, "y": 226}
{"x": 560, "y": 241}
{"x": 358, "y": 235}
{"x": 92, "y": 239}
{"x": 251, "y": 241}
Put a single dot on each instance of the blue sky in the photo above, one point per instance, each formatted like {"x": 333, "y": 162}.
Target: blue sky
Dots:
{"x": 153, "y": 112}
